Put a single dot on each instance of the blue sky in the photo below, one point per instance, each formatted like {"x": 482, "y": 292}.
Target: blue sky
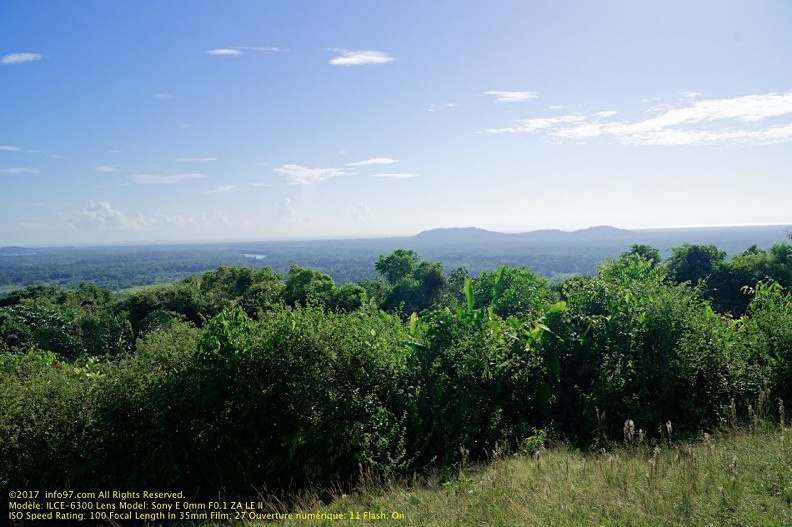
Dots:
{"x": 198, "y": 120}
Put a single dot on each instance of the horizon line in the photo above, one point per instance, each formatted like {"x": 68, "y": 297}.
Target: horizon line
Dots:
{"x": 128, "y": 243}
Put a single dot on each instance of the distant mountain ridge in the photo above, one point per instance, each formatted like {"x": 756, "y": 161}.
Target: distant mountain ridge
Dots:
{"x": 13, "y": 250}
{"x": 732, "y": 239}
{"x": 456, "y": 235}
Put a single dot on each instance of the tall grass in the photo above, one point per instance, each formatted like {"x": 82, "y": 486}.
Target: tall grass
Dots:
{"x": 736, "y": 478}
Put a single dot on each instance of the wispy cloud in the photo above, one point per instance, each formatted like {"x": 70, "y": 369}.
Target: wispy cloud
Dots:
{"x": 300, "y": 175}
{"x": 195, "y": 159}
{"x": 441, "y": 106}
{"x": 20, "y": 58}
{"x": 165, "y": 179}
{"x": 373, "y": 161}
{"x": 19, "y": 170}
{"x": 348, "y": 57}
{"x": 9, "y": 148}
{"x": 262, "y": 184}
{"x": 235, "y": 51}
{"x": 396, "y": 176}
{"x": 748, "y": 120}
{"x": 512, "y": 96}
{"x": 162, "y": 96}
{"x": 106, "y": 168}
{"x": 530, "y": 125}
{"x": 35, "y": 226}
{"x": 224, "y": 52}
{"x": 262, "y": 48}
{"x": 222, "y": 189}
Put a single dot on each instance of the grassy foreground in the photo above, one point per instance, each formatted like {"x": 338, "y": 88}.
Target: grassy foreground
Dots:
{"x": 740, "y": 478}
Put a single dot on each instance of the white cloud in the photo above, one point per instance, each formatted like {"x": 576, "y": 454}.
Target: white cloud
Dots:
{"x": 194, "y": 220}
{"x": 531, "y": 125}
{"x": 373, "y": 161}
{"x": 222, "y": 219}
{"x": 106, "y": 168}
{"x": 512, "y": 96}
{"x": 442, "y": 106}
{"x": 224, "y": 52}
{"x": 102, "y": 216}
{"x": 300, "y": 175}
{"x": 19, "y": 170}
{"x": 195, "y": 159}
{"x": 262, "y": 48}
{"x": 162, "y": 96}
{"x": 362, "y": 212}
{"x": 8, "y": 148}
{"x": 678, "y": 137}
{"x": 222, "y": 189}
{"x": 262, "y": 184}
{"x": 20, "y": 58}
{"x": 165, "y": 178}
{"x": 349, "y": 57}
{"x": 737, "y": 120}
{"x": 99, "y": 214}
{"x": 396, "y": 176}
{"x": 235, "y": 51}
{"x": 285, "y": 212}
{"x": 690, "y": 94}
{"x": 33, "y": 226}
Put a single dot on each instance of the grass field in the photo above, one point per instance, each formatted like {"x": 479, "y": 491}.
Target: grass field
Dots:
{"x": 737, "y": 478}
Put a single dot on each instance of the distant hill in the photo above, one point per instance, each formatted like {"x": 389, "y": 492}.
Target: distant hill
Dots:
{"x": 13, "y": 250}
{"x": 551, "y": 253}
{"x": 458, "y": 235}
{"x": 471, "y": 236}
{"x": 730, "y": 239}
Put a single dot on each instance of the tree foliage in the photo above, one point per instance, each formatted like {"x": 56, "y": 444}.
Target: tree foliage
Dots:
{"x": 287, "y": 383}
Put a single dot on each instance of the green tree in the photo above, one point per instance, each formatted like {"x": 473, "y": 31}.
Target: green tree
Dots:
{"x": 647, "y": 252}
{"x": 619, "y": 344}
{"x": 397, "y": 266}
{"x": 252, "y": 289}
{"x": 347, "y": 298}
{"x": 694, "y": 263}
{"x": 415, "y": 284}
{"x": 305, "y": 286}
{"x": 147, "y": 307}
{"x": 511, "y": 291}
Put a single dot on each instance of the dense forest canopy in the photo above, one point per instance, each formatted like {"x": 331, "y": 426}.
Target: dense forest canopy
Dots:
{"x": 286, "y": 380}
{"x": 551, "y": 254}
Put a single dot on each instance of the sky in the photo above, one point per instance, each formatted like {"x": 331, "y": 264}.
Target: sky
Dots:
{"x": 195, "y": 120}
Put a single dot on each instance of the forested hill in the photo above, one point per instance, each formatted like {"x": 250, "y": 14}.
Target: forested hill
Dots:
{"x": 601, "y": 234}
{"x": 15, "y": 251}
{"x": 730, "y": 239}
{"x": 553, "y": 254}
